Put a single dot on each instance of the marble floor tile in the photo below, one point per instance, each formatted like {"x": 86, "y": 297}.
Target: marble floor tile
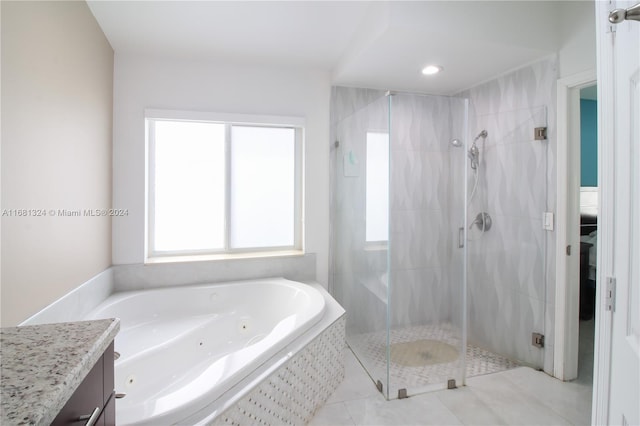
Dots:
{"x": 356, "y": 384}
{"x": 335, "y": 414}
{"x": 571, "y": 400}
{"x": 515, "y": 406}
{"x": 424, "y": 409}
{"x": 470, "y": 409}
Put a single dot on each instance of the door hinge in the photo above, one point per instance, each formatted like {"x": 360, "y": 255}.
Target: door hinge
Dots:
{"x": 611, "y": 294}
{"x": 540, "y": 133}
{"x": 537, "y": 340}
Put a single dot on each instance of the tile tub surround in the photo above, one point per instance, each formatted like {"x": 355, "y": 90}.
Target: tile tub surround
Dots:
{"x": 293, "y": 394}
{"x": 42, "y": 365}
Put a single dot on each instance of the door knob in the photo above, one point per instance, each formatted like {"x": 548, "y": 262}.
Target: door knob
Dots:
{"x": 619, "y": 15}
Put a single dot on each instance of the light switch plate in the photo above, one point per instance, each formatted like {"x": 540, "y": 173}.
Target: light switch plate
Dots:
{"x": 547, "y": 221}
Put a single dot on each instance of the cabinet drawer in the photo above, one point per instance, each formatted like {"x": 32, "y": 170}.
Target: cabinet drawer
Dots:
{"x": 95, "y": 392}
{"x": 85, "y": 399}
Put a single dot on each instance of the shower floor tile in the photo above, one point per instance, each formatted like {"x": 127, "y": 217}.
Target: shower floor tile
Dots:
{"x": 371, "y": 347}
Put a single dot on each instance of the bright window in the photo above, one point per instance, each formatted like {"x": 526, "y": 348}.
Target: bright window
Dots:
{"x": 189, "y": 180}
{"x": 262, "y": 187}
{"x": 221, "y": 187}
{"x": 377, "y": 187}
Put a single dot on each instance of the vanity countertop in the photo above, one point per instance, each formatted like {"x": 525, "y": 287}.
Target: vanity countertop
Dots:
{"x": 42, "y": 365}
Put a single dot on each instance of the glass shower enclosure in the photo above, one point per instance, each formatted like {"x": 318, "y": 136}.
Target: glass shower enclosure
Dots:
{"x": 434, "y": 253}
{"x": 398, "y": 239}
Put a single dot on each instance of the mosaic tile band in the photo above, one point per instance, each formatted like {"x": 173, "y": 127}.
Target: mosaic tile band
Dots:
{"x": 293, "y": 393}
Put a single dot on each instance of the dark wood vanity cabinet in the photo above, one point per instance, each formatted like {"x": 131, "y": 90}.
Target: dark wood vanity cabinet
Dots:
{"x": 93, "y": 400}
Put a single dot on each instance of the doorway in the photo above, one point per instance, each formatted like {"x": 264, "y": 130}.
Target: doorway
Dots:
{"x": 588, "y": 219}
{"x": 568, "y": 220}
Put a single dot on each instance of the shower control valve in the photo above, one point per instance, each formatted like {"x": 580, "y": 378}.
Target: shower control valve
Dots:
{"x": 482, "y": 221}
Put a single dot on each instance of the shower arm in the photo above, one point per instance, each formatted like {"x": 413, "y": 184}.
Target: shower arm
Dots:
{"x": 482, "y": 134}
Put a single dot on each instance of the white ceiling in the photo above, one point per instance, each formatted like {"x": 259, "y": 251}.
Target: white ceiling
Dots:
{"x": 365, "y": 44}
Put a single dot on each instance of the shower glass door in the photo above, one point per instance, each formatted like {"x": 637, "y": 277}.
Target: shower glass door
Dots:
{"x": 398, "y": 240}
{"x": 426, "y": 341}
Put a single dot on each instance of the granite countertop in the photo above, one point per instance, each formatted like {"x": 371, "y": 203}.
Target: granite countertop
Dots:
{"x": 42, "y": 365}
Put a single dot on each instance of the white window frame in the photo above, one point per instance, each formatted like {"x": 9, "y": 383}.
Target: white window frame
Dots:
{"x": 229, "y": 120}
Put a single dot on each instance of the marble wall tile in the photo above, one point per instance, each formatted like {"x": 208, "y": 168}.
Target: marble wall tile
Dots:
{"x": 421, "y": 128}
{"x": 419, "y": 239}
{"x": 512, "y": 265}
{"x": 510, "y": 255}
{"x": 420, "y": 296}
{"x": 78, "y": 302}
{"x": 140, "y": 277}
{"x": 366, "y": 311}
{"x": 358, "y": 271}
{"x": 420, "y": 123}
{"x": 346, "y": 101}
{"x": 353, "y": 113}
{"x": 510, "y": 126}
{"x": 513, "y": 179}
{"x": 420, "y": 180}
{"x": 407, "y": 173}
{"x": 514, "y": 317}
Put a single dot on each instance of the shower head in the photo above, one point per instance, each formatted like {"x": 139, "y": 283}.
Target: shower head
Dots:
{"x": 482, "y": 134}
{"x": 457, "y": 143}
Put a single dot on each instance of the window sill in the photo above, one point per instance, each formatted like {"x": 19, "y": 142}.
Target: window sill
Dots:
{"x": 224, "y": 256}
{"x": 376, "y": 247}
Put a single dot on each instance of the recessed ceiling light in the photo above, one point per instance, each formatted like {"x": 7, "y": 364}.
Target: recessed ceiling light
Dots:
{"x": 431, "y": 69}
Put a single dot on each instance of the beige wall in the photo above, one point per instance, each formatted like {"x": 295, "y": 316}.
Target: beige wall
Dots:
{"x": 57, "y": 92}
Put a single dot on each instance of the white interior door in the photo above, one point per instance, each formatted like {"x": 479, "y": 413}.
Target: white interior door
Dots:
{"x": 619, "y": 324}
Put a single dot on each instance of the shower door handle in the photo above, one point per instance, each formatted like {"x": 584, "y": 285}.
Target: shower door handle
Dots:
{"x": 461, "y": 237}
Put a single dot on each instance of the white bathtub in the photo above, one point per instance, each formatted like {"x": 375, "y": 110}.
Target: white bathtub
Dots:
{"x": 181, "y": 348}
